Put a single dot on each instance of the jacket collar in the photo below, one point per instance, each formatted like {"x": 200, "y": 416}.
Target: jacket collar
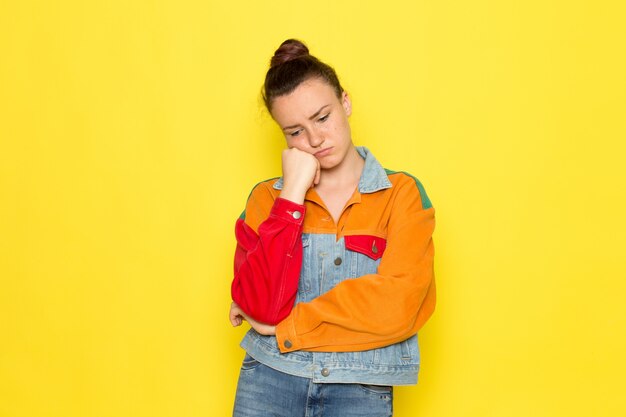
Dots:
{"x": 373, "y": 178}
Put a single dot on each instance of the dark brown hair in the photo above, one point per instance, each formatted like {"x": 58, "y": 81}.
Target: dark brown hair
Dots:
{"x": 290, "y": 66}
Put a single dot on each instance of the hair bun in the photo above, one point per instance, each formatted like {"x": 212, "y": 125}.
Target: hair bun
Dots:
{"x": 289, "y": 50}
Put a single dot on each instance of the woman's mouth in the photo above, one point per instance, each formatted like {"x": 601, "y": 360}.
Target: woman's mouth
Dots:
{"x": 323, "y": 152}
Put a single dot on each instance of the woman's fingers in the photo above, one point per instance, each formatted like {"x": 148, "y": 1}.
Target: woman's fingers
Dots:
{"x": 235, "y": 315}
{"x": 318, "y": 173}
{"x": 300, "y": 172}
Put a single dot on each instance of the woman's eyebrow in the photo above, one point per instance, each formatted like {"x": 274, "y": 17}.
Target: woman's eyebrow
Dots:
{"x": 310, "y": 118}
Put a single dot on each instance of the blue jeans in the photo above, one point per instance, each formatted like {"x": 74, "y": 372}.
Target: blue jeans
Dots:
{"x": 265, "y": 392}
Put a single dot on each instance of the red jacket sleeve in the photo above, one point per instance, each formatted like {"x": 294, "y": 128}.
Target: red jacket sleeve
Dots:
{"x": 268, "y": 259}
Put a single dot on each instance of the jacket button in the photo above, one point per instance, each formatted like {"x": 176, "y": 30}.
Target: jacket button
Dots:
{"x": 296, "y": 214}
{"x": 288, "y": 344}
{"x": 325, "y": 372}
{"x": 337, "y": 261}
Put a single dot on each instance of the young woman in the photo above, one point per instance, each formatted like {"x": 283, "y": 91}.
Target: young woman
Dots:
{"x": 334, "y": 261}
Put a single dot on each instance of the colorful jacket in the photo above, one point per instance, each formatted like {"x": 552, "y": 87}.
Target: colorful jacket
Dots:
{"x": 363, "y": 285}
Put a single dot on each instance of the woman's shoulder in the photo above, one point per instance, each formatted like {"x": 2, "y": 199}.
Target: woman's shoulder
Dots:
{"x": 260, "y": 202}
{"x": 265, "y": 186}
{"x": 405, "y": 182}
{"x": 265, "y": 191}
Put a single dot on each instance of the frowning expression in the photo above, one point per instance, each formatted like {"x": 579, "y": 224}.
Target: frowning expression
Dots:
{"x": 314, "y": 120}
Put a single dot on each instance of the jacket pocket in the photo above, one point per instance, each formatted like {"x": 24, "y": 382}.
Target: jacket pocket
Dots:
{"x": 371, "y": 246}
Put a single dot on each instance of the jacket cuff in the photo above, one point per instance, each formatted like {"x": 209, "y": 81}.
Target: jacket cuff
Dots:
{"x": 286, "y": 336}
{"x": 288, "y": 210}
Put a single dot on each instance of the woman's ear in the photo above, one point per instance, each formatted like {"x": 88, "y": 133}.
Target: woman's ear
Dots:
{"x": 347, "y": 104}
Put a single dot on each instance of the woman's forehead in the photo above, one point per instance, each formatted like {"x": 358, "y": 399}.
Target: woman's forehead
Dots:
{"x": 305, "y": 100}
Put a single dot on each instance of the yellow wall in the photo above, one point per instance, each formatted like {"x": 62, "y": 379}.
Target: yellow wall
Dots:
{"x": 131, "y": 133}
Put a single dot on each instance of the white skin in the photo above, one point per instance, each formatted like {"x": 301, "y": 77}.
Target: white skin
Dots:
{"x": 319, "y": 155}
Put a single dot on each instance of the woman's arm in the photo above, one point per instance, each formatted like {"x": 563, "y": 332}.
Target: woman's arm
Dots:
{"x": 269, "y": 241}
{"x": 268, "y": 256}
{"x": 378, "y": 309}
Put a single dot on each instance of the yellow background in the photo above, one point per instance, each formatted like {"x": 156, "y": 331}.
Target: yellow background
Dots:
{"x": 132, "y": 131}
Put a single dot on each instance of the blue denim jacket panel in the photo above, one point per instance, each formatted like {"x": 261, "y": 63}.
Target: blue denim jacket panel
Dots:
{"x": 339, "y": 367}
{"x": 327, "y": 262}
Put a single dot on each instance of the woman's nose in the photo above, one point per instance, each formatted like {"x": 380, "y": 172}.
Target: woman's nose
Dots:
{"x": 315, "y": 139}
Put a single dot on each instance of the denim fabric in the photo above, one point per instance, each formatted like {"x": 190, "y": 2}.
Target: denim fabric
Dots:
{"x": 397, "y": 364}
{"x": 265, "y": 392}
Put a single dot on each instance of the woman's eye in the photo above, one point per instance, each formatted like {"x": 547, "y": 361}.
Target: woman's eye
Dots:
{"x": 296, "y": 133}
{"x": 324, "y": 118}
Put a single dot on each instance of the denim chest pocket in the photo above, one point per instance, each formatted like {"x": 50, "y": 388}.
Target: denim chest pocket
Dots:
{"x": 367, "y": 251}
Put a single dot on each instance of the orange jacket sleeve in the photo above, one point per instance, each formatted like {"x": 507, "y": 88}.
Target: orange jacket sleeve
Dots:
{"x": 378, "y": 309}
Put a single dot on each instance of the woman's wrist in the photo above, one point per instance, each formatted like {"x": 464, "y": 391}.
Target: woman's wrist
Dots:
{"x": 295, "y": 196}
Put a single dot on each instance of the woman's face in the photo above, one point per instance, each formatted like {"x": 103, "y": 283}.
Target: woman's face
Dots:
{"x": 315, "y": 121}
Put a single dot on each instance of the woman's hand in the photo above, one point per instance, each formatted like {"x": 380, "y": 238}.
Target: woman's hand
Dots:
{"x": 237, "y": 316}
{"x": 301, "y": 171}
